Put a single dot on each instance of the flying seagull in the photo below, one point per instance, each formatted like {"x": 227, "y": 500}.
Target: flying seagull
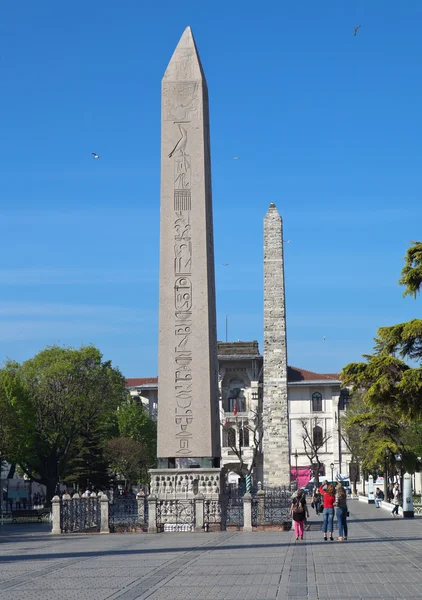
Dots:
{"x": 286, "y": 241}
{"x": 356, "y": 29}
{"x": 324, "y": 338}
{"x": 235, "y": 158}
{"x": 95, "y": 155}
{"x": 225, "y": 264}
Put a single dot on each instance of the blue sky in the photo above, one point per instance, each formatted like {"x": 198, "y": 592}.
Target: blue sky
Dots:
{"x": 326, "y": 125}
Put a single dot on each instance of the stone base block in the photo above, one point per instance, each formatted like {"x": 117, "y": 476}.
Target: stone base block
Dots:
{"x": 186, "y": 483}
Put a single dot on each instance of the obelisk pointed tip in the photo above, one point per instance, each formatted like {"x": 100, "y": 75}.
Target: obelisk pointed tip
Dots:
{"x": 185, "y": 63}
{"x": 272, "y": 209}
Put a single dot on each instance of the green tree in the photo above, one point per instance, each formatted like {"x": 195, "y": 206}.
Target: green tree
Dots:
{"x": 125, "y": 456}
{"x": 47, "y": 404}
{"x": 389, "y": 388}
{"x": 351, "y": 434}
{"x": 87, "y": 465}
{"x": 411, "y": 275}
{"x": 134, "y": 422}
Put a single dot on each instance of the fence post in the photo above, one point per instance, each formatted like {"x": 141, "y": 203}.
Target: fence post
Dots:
{"x": 55, "y": 514}
{"x": 199, "y": 514}
{"x": 247, "y": 513}
{"x": 261, "y": 506}
{"x": 104, "y": 508}
{"x": 141, "y": 509}
{"x": 152, "y": 514}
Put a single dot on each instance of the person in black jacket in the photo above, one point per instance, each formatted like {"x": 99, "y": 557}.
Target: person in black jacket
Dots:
{"x": 298, "y": 511}
{"x": 379, "y": 497}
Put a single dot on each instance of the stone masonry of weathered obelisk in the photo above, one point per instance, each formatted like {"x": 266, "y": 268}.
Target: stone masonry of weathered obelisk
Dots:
{"x": 188, "y": 419}
{"x": 275, "y": 405}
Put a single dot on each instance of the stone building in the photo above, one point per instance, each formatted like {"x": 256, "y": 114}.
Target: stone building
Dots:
{"x": 145, "y": 390}
{"x": 313, "y": 397}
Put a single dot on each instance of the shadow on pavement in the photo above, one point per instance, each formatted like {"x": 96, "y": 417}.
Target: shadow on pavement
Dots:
{"x": 167, "y": 550}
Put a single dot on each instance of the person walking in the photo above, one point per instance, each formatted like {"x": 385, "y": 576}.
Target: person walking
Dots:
{"x": 316, "y": 501}
{"x": 396, "y": 500}
{"x": 341, "y": 512}
{"x": 379, "y": 497}
{"x": 329, "y": 496}
{"x": 298, "y": 510}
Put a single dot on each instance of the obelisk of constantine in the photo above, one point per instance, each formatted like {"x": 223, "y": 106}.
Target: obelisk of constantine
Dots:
{"x": 188, "y": 420}
{"x": 275, "y": 405}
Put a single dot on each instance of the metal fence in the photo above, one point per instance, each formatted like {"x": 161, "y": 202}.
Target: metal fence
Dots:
{"x": 271, "y": 507}
{"x": 232, "y": 508}
{"x": 79, "y": 515}
{"x": 175, "y": 515}
{"x": 128, "y": 514}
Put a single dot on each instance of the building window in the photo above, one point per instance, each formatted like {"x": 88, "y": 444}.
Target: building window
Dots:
{"x": 317, "y": 402}
{"x": 317, "y": 436}
{"x": 344, "y": 399}
{"x": 244, "y": 437}
{"x": 229, "y": 439}
{"x": 236, "y": 395}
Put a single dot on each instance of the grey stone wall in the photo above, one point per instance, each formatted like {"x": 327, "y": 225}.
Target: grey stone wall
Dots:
{"x": 275, "y": 403}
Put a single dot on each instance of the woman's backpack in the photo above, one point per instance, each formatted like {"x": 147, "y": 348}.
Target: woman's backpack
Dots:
{"x": 298, "y": 510}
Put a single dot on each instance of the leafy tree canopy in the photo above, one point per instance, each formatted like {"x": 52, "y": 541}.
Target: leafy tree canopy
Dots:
{"x": 134, "y": 422}
{"x": 412, "y": 271}
{"x": 125, "y": 456}
{"x": 48, "y": 403}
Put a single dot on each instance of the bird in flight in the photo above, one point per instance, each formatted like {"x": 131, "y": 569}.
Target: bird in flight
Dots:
{"x": 286, "y": 241}
{"x": 225, "y": 264}
{"x": 356, "y": 29}
{"x": 324, "y": 338}
{"x": 235, "y": 158}
{"x": 95, "y": 155}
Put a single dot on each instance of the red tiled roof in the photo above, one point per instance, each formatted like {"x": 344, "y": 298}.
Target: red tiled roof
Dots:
{"x": 295, "y": 374}
{"x": 141, "y": 381}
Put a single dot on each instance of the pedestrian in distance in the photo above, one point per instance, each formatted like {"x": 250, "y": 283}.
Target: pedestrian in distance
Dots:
{"x": 341, "y": 512}
{"x": 396, "y": 500}
{"x": 298, "y": 511}
{"x": 316, "y": 501}
{"x": 329, "y": 495}
{"x": 379, "y": 497}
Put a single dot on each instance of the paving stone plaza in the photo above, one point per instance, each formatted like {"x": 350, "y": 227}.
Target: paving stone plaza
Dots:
{"x": 381, "y": 559}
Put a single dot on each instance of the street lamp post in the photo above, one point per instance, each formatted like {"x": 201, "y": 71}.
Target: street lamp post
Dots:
{"x": 296, "y": 457}
{"x": 332, "y": 471}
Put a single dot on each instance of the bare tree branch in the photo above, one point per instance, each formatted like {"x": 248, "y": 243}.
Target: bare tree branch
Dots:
{"x": 312, "y": 444}
{"x": 254, "y": 426}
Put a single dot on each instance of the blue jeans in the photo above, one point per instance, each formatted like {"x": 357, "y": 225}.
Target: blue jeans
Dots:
{"x": 328, "y": 517}
{"x": 342, "y": 521}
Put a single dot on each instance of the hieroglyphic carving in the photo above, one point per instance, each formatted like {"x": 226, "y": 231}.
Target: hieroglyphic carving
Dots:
{"x": 182, "y": 200}
{"x": 183, "y": 376}
{"x": 183, "y": 64}
{"x": 182, "y": 172}
{"x": 181, "y": 101}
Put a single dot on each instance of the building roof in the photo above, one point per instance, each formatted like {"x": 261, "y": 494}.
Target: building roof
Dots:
{"x": 138, "y": 381}
{"x": 238, "y": 348}
{"x": 294, "y": 374}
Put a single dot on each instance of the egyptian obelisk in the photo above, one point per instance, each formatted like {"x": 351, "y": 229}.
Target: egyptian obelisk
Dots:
{"x": 188, "y": 419}
{"x": 275, "y": 403}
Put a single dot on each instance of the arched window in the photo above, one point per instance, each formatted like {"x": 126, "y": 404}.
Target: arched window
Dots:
{"x": 317, "y": 436}
{"x": 317, "y": 402}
